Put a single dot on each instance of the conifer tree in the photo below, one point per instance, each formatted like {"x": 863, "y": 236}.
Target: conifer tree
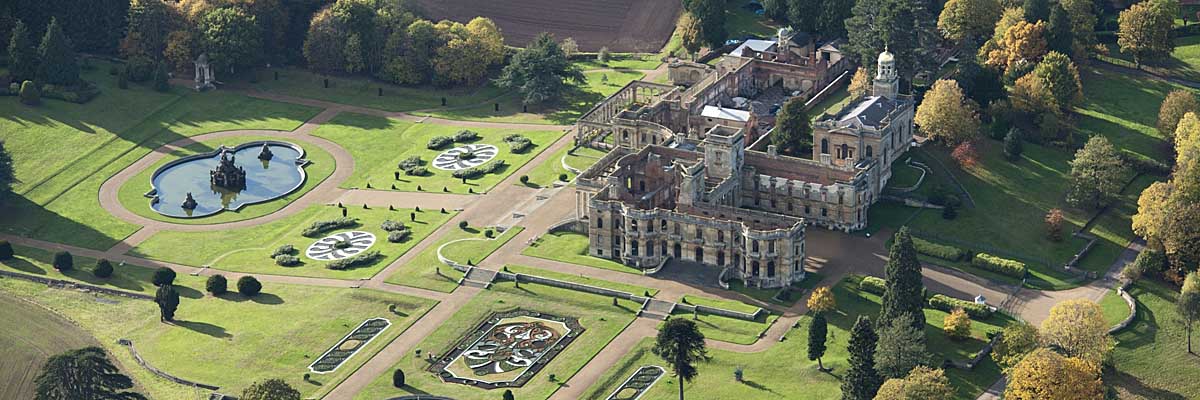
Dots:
{"x": 22, "y": 56}
{"x": 904, "y": 293}
{"x": 57, "y": 59}
{"x": 861, "y": 381}
{"x": 816, "y": 339}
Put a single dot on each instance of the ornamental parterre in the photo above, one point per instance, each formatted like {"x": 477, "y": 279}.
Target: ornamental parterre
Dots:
{"x": 507, "y": 349}
{"x": 349, "y": 345}
{"x": 638, "y": 383}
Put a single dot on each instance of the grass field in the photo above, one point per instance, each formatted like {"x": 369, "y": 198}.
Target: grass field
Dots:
{"x": 231, "y": 341}
{"x": 622, "y": 61}
{"x": 130, "y": 278}
{"x": 572, "y": 248}
{"x": 1114, "y": 307}
{"x": 1124, "y": 108}
{"x": 547, "y": 173}
{"x": 600, "y": 319}
{"x": 320, "y": 166}
{"x": 636, "y": 290}
{"x": 249, "y": 249}
{"x": 1184, "y": 61}
{"x": 25, "y": 346}
{"x": 741, "y": 23}
{"x": 568, "y": 109}
{"x": 725, "y": 329}
{"x": 427, "y": 272}
{"x": 783, "y": 372}
{"x": 364, "y": 92}
{"x": 1150, "y": 357}
{"x": 379, "y": 144}
{"x": 63, "y": 152}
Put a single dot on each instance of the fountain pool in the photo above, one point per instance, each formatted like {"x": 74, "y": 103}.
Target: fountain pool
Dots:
{"x": 275, "y": 174}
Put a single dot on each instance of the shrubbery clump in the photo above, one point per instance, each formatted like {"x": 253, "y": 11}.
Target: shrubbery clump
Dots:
{"x": 163, "y": 276}
{"x": 464, "y": 136}
{"x": 286, "y": 249}
{"x": 439, "y": 142}
{"x": 320, "y": 227}
{"x": 1004, "y": 266}
{"x": 29, "y": 94}
{"x": 216, "y": 284}
{"x": 364, "y": 258}
{"x": 249, "y": 286}
{"x": 416, "y": 171}
{"x": 285, "y": 260}
{"x": 103, "y": 269}
{"x": 871, "y": 284}
{"x": 941, "y": 251}
{"x": 81, "y": 93}
{"x": 948, "y": 304}
{"x": 412, "y": 166}
{"x": 399, "y": 236}
{"x": 63, "y": 261}
{"x": 471, "y": 173}
{"x": 518, "y": 143}
{"x": 140, "y": 68}
{"x": 390, "y": 225}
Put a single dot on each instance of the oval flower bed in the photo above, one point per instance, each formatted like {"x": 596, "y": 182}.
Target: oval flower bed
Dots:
{"x": 638, "y": 383}
{"x": 352, "y": 343}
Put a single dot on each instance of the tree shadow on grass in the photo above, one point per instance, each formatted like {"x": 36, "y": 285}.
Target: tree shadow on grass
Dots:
{"x": 1129, "y": 383}
{"x": 757, "y": 386}
{"x": 205, "y": 328}
{"x": 23, "y": 266}
{"x": 261, "y": 298}
{"x": 188, "y": 292}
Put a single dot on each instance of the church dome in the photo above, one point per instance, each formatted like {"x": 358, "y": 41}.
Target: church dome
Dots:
{"x": 886, "y": 57}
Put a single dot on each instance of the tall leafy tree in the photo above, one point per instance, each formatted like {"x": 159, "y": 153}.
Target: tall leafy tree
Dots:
{"x": 22, "y": 55}
{"x": 1059, "y": 74}
{"x": 1083, "y": 21}
{"x": 947, "y": 115}
{"x": 540, "y": 71}
{"x": 1144, "y": 30}
{"x": 981, "y": 84}
{"x": 1177, "y": 103}
{"x": 1059, "y": 36}
{"x": 832, "y": 20}
{"x": 901, "y": 347}
{"x": 231, "y": 37}
{"x": 471, "y": 51}
{"x": 270, "y": 389}
{"x": 93, "y": 26}
{"x": 968, "y": 21}
{"x": 1045, "y": 374}
{"x": 1023, "y": 43}
{"x": 689, "y": 33}
{"x": 1076, "y": 328}
{"x": 817, "y": 332}
{"x": 681, "y": 345}
{"x": 1016, "y": 341}
{"x": 904, "y": 293}
{"x": 793, "y": 128}
{"x": 325, "y": 41}
{"x": 803, "y": 14}
{"x": 1097, "y": 174}
{"x": 711, "y": 14}
{"x": 861, "y": 381}
{"x": 1036, "y": 10}
{"x": 1188, "y": 306}
{"x": 150, "y": 21}
{"x": 923, "y": 383}
{"x": 167, "y": 299}
{"x": 83, "y": 374}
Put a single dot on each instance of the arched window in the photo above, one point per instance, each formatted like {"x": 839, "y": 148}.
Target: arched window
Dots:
{"x": 824, "y": 146}
{"x": 600, "y": 222}
{"x": 770, "y": 269}
{"x": 845, "y": 151}
{"x": 870, "y": 152}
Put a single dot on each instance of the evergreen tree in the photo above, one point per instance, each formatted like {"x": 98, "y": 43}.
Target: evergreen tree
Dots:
{"x": 1012, "y": 145}
{"x": 58, "y": 65}
{"x": 904, "y": 293}
{"x": 901, "y": 347}
{"x": 29, "y": 94}
{"x": 63, "y": 261}
{"x": 22, "y": 56}
{"x": 167, "y": 299}
{"x": 103, "y": 269}
{"x": 161, "y": 83}
{"x": 816, "y": 339}
{"x": 270, "y": 389}
{"x": 861, "y": 381}
{"x": 249, "y": 286}
{"x": 83, "y": 374}
{"x": 1036, "y": 10}
{"x": 793, "y": 131}
{"x": 6, "y": 250}
{"x": 803, "y": 14}
{"x": 681, "y": 345}
{"x": 398, "y": 378}
{"x": 541, "y": 72}
{"x": 1058, "y": 31}
{"x": 905, "y": 27}
{"x": 832, "y": 21}
{"x": 711, "y": 14}
{"x": 508, "y": 395}
{"x": 7, "y": 175}
{"x": 216, "y": 284}
{"x": 163, "y": 276}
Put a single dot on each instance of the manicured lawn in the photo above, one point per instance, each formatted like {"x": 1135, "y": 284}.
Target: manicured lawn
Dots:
{"x": 601, "y": 320}
{"x": 579, "y": 158}
{"x": 636, "y": 290}
{"x": 25, "y": 346}
{"x": 725, "y": 329}
{"x": 249, "y": 249}
{"x": 320, "y": 166}
{"x": 379, "y": 144}
{"x": 427, "y": 272}
{"x": 130, "y": 278}
{"x": 568, "y": 109}
{"x": 232, "y": 341}
{"x": 1151, "y": 355}
{"x": 63, "y": 152}
{"x": 782, "y": 371}
{"x": 720, "y": 303}
{"x": 1184, "y": 61}
{"x": 1114, "y": 307}
{"x": 740, "y": 22}
{"x": 363, "y": 92}
{"x": 572, "y": 248}
{"x": 1124, "y": 108}
{"x": 622, "y": 61}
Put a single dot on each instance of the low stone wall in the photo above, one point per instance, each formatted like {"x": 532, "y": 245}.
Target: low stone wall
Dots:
{"x": 1132, "y": 310}
{"x": 75, "y": 285}
{"x": 719, "y": 311}
{"x": 571, "y": 225}
{"x": 138, "y": 357}
{"x": 979, "y": 357}
{"x": 911, "y": 202}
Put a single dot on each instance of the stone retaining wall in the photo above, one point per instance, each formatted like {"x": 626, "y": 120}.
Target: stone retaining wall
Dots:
{"x": 128, "y": 343}
{"x": 571, "y": 225}
{"x": 75, "y": 285}
{"x": 1132, "y": 310}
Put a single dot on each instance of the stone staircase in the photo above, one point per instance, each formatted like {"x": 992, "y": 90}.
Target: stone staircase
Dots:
{"x": 657, "y": 309}
{"x": 478, "y": 277}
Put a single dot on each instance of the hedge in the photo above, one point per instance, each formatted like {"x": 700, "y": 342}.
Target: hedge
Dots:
{"x": 873, "y": 284}
{"x": 438, "y": 142}
{"x": 466, "y": 136}
{"x": 286, "y": 249}
{"x": 518, "y": 143}
{"x": 80, "y": 94}
{"x": 475, "y": 172}
{"x": 414, "y": 161}
{"x": 285, "y": 260}
{"x": 320, "y": 227}
{"x": 389, "y": 225}
{"x": 416, "y": 171}
{"x": 361, "y": 259}
{"x": 941, "y": 251}
{"x": 399, "y": 236}
{"x": 1002, "y": 265}
{"x": 948, "y": 304}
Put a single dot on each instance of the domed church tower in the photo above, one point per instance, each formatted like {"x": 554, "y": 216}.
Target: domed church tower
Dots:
{"x": 886, "y": 84}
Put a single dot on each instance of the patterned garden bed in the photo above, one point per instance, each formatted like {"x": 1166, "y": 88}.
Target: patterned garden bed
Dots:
{"x": 638, "y": 383}
{"x": 507, "y": 349}
{"x": 352, "y": 343}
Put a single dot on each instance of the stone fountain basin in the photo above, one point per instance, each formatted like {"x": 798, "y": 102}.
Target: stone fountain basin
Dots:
{"x": 266, "y": 180}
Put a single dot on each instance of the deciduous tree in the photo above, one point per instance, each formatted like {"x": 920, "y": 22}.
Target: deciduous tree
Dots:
{"x": 1036, "y": 10}
{"x": 1059, "y": 74}
{"x": 957, "y": 324}
{"x": 861, "y": 382}
{"x": 1097, "y": 174}
{"x": 1023, "y": 43}
{"x": 270, "y": 389}
{"x": 231, "y": 37}
{"x": 860, "y": 83}
{"x": 324, "y": 42}
{"x": 150, "y": 21}
{"x": 1054, "y": 225}
{"x": 1076, "y": 328}
{"x": 1082, "y": 14}
{"x": 540, "y": 72}
{"x": 793, "y": 128}
{"x": 83, "y": 374}
{"x": 822, "y": 300}
{"x": 1045, "y": 374}
{"x": 689, "y": 34}
{"x": 681, "y": 345}
{"x": 1177, "y": 103}
{"x": 1016, "y": 341}
{"x": 1144, "y": 30}
{"x": 947, "y": 115}
{"x": 1059, "y": 36}
{"x": 711, "y": 15}
{"x": 965, "y": 155}
{"x": 1188, "y": 305}
{"x": 923, "y": 383}
{"x": 968, "y": 21}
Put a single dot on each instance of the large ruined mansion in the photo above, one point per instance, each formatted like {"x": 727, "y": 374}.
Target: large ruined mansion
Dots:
{"x": 682, "y": 181}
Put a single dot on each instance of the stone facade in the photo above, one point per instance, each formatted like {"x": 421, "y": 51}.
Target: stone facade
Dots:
{"x": 665, "y": 191}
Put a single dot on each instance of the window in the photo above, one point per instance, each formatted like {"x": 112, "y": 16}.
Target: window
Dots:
{"x": 824, "y": 146}
{"x": 600, "y": 222}
{"x": 664, "y": 225}
{"x": 845, "y": 153}
{"x": 807, "y": 209}
{"x": 870, "y": 151}
{"x": 633, "y": 248}
{"x": 633, "y": 225}
{"x": 824, "y": 212}
{"x": 770, "y": 269}
{"x": 649, "y": 250}
{"x": 676, "y": 228}
{"x": 771, "y": 246}
{"x": 720, "y": 236}
{"x": 699, "y": 233}
{"x": 642, "y": 186}
{"x": 789, "y": 206}
{"x": 754, "y": 246}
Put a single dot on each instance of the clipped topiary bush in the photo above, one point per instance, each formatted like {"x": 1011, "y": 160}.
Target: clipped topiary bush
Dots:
{"x": 360, "y": 259}
{"x": 416, "y": 171}
{"x": 103, "y": 269}
{"x": 463, "y": 225}
{"x": 286, "y": 249}
{"x": 249, "y": 286}
{"x": 563, "y": 177}
{"x": 1003, "y": 266}
{"x": 399, "y": 236}
{"x": 518, "y": 143}
{"x": 465, "y": 135}
{"x": 63, "y": 261}
{"x": 216, "y": 284}
{"x": 471, "y": 173}
{"x": 525, "y": 179}
{"x": 398, "y": 378}
{"x": 285, "y": 260}
{"x": 941, "y": 251}
{"x": 414, "y": 161}
{"x": 30, "y": 95}
{"x": 948, "y": 304}
{"x": 163, "y": 276}
{"x": 6, "y": 250}
{"x": 319, "y": 227}
{"x": 873, "y": 284}
{"x": 389, "y": 225}
{"x": 439, "y": 142}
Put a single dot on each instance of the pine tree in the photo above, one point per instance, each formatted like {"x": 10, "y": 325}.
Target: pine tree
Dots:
{"x": 904, "y": 293}
{"x": 861, "y": 381}
{"x": 58, "y": 65}
{"x": 22, "y": 56}
{"x": 83, "y": 374}
{"x": 1012, "y": 145}
{"x": 1058, "y": 31}
{"x": 816, "y": 339}
{"x": 167, "y": 299}
{"x": 901, "y": 347}
{"x": 7, "y": 176}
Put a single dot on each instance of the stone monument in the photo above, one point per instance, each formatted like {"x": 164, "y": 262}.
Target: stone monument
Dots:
{"x": 204, "y": 73}
{"x": 265, "y": 154}
{"x": 228, "y": 175}
{"x": 189, "y": 203}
